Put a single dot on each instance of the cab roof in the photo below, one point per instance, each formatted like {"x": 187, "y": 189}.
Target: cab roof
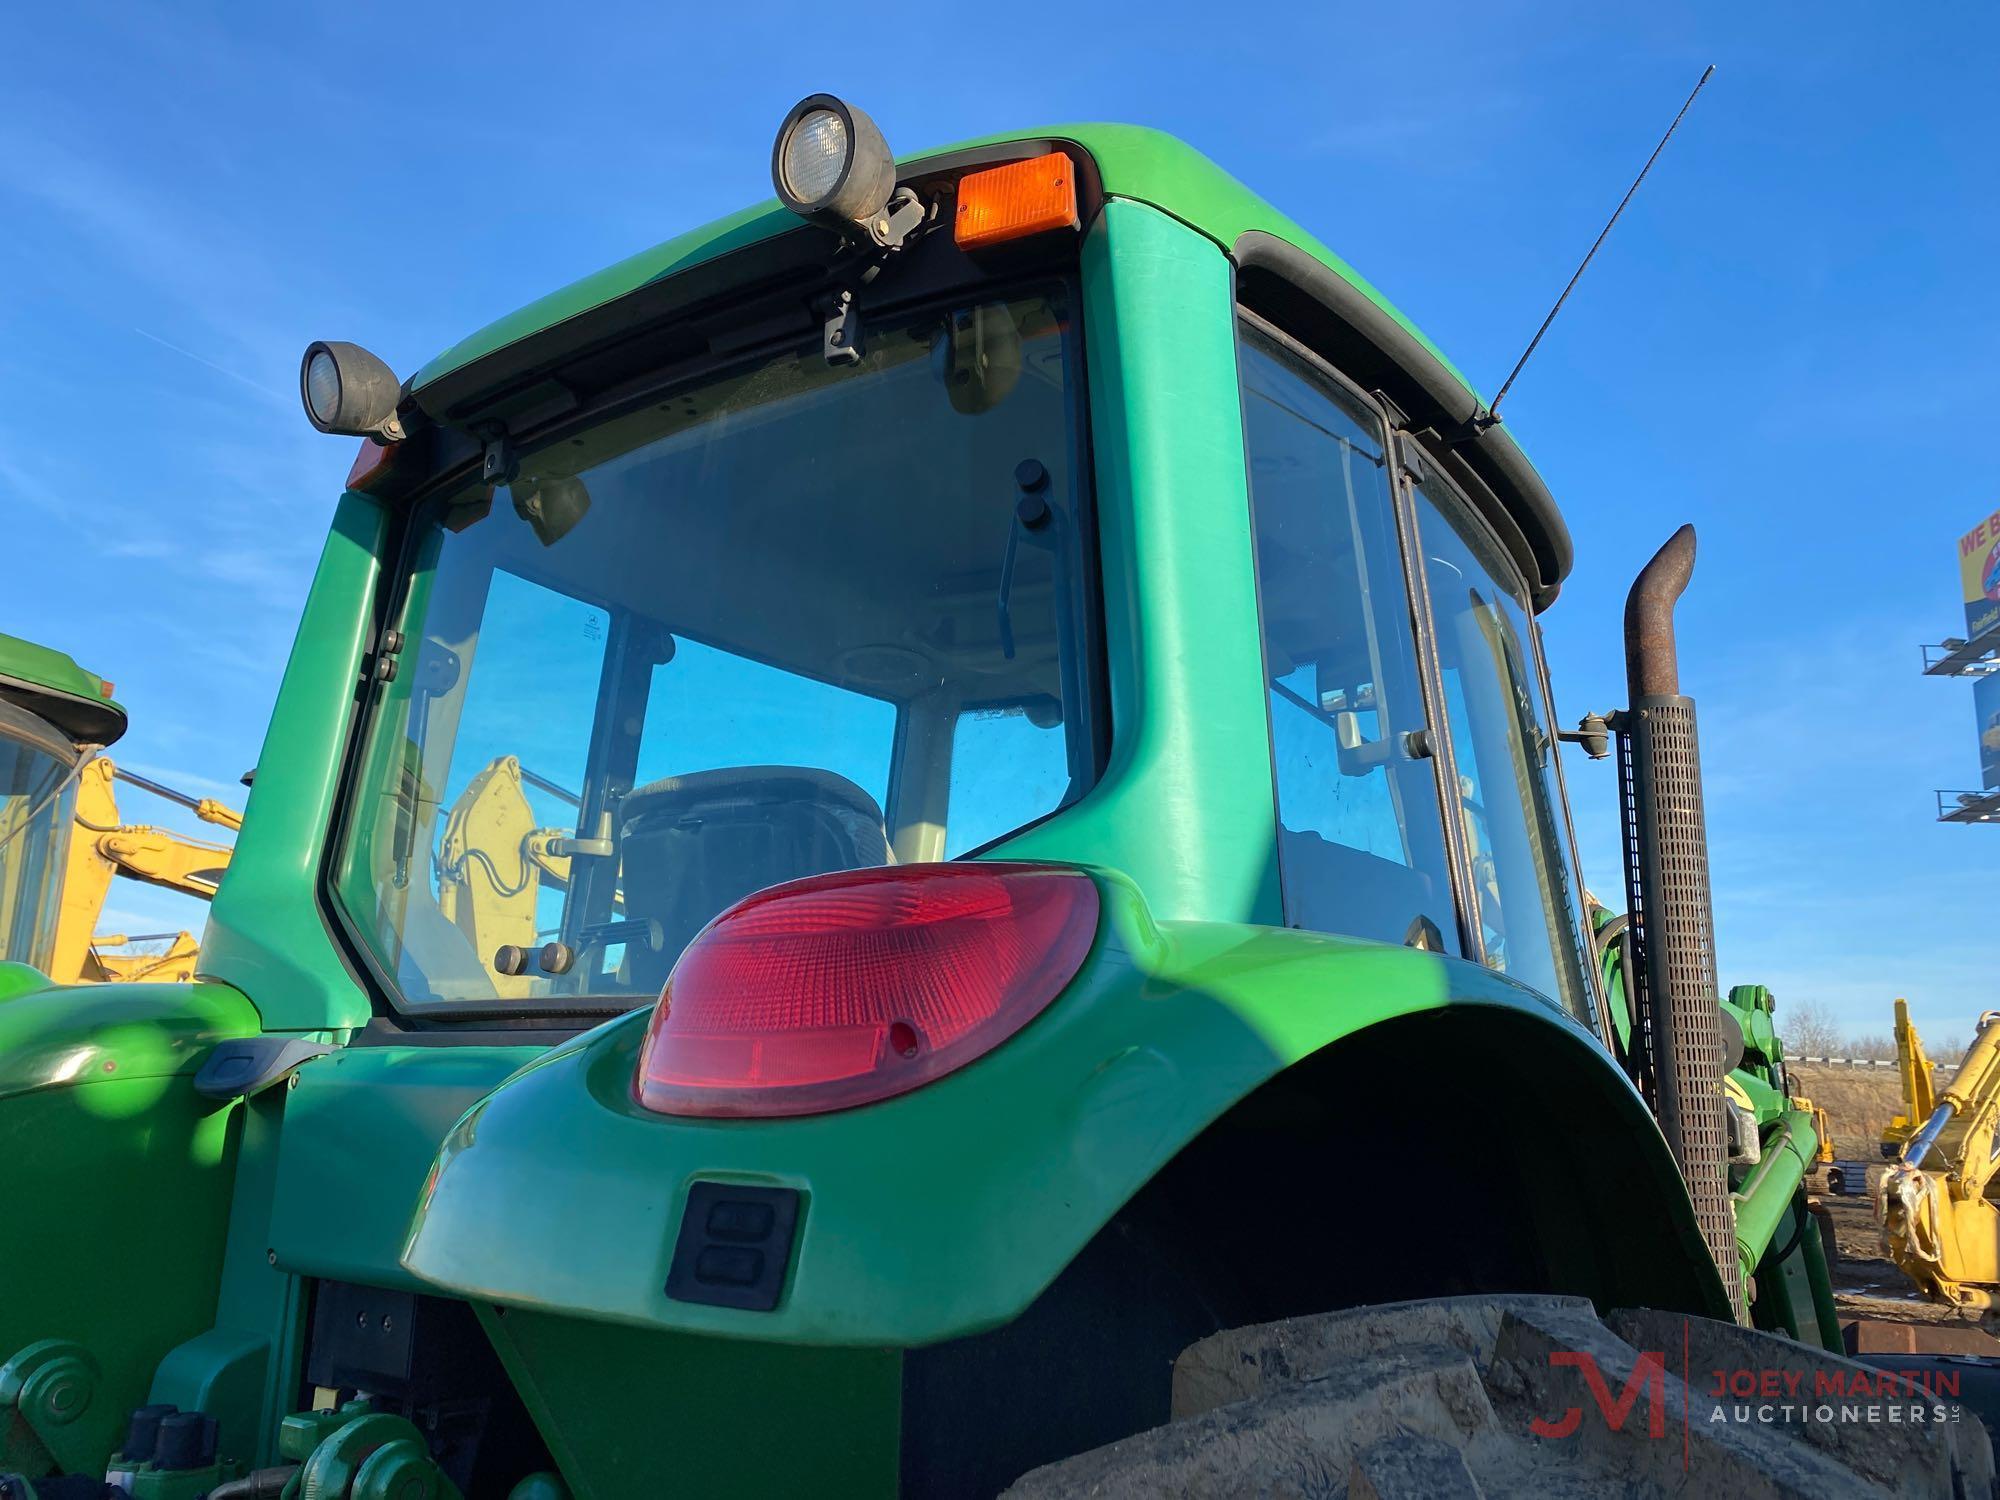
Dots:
{"x": 50, "y": 685}
{"x": 1151, "y": 167}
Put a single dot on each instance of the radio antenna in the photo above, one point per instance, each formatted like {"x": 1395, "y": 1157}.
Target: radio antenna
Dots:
{"x": 1492, "y": 413}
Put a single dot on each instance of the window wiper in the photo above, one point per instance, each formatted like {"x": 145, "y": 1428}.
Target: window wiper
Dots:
{"x": 438, "y": 672}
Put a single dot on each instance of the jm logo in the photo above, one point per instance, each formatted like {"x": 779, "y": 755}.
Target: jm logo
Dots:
{"x": 1649, "y": 1375}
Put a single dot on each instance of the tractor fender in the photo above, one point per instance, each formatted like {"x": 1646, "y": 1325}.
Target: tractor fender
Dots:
{"x": 105, "y": 1146}
{"x": 945, "y": 1211}
{"x": 67, "y": 1036}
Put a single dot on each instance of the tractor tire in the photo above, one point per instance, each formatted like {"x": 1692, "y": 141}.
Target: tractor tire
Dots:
{"x": 1415, "y": 1400}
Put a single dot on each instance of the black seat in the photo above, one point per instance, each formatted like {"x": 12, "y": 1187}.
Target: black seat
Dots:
{"x": 1338, "y": 889}
{"x": 695, "y": 844}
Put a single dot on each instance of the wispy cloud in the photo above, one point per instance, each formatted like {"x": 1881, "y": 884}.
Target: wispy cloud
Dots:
{"x": 256, "y": 385}
{"x": 30, "y": 488}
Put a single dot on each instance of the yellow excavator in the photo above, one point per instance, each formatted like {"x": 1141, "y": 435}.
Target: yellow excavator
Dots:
{"x": 1918, "y": 1076}
{"x": 493, "y": 860}
{"x": 62, "y": 840}
{"x": 1822, "y": 1130}
{"x": 102, "y": 847}
{"x": 1936, "y": 1206}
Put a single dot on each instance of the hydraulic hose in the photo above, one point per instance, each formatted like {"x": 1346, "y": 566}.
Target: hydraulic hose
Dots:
{"x": 258, "y": 1484}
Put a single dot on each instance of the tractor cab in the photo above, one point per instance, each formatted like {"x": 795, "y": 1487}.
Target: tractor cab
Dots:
{"x": 53, "y": 715}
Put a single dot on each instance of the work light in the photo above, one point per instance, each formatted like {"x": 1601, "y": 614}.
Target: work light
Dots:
{"x": 347, "y": 390}
{"x": 831, "y": 164}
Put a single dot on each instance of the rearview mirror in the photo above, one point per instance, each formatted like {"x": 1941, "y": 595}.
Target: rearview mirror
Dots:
{"x": 979, "y": 358}
{"x": 551, "y": 506}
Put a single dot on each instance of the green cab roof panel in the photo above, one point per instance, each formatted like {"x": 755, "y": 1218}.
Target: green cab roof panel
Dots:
{"x": 1133, "y": 162}
{"x": 52, "y": 686}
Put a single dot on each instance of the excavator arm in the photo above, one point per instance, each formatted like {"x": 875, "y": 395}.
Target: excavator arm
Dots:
{"x": 494, "y": 859}
{"x": 491, "y": 866}
{"x": 1916, "y": 1073}
{"x": 102, "y": 848}
{"x": 1937, "y": 1219}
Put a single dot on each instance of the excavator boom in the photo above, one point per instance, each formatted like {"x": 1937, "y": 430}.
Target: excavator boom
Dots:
{"x": 1938, "y": 1220}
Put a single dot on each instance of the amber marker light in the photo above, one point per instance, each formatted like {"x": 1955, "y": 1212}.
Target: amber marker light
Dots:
{"x": 370, "y": 464}
{"x": 1015, "y": 201}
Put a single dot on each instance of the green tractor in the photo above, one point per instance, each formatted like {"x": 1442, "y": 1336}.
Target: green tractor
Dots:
{"x": 887, "y": 820}
{"x": 53, "y": 717}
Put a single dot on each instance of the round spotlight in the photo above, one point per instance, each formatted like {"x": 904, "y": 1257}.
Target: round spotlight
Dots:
{"x": 322, "y": 388}
{"x": 831, "y": 163}
{"x": 348, "y": 391}
{"x": 815, "y": 155}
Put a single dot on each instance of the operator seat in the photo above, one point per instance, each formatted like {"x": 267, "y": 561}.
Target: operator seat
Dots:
{"x": 1374, "y": 897}
{"x": 696, "y": 844}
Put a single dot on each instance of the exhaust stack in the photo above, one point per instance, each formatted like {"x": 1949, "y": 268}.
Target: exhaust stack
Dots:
{"x": 1667, "y": 885}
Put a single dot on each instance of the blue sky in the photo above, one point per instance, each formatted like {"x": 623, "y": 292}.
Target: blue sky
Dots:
{"x": 1790, "y": 339}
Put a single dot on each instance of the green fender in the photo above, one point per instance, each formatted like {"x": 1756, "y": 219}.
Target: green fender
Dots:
{"x": 948, "y": 1209}
{"x": 56, "y": 1036}
{"x": 116, "y": 1179}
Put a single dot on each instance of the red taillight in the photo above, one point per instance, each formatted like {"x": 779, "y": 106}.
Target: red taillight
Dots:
{"x": 844, "y": 989}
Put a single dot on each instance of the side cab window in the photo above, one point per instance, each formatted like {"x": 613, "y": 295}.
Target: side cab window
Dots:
{"x": 1524, "y": 899}
{"x": 1418, "y": 796}
{"x": 1361, "y": 847}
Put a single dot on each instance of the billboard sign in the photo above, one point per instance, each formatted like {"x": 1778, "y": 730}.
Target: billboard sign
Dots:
{"x": 1986, "y": 703}
{"x": 1979, "y": 573}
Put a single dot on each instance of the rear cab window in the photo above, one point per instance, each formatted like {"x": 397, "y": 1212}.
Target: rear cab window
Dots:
{"x": 783, "y": 619}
